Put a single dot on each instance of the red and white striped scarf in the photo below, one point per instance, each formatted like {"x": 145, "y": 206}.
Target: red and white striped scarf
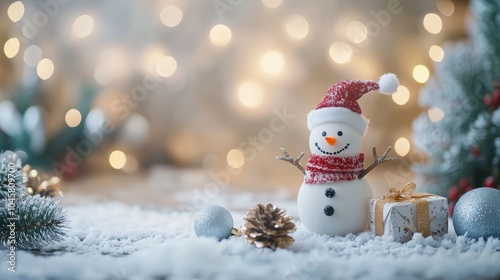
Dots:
{"x": 323, "y": 169}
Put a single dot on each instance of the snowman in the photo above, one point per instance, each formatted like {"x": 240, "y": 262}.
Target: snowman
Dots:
{"x": 334, "y": 196}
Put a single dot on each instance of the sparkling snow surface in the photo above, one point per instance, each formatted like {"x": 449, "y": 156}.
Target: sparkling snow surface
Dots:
{"x": 118, "y": 241}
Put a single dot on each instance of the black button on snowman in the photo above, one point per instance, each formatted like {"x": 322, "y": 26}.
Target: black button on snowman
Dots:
{"x": 329, "y": 209}
{"x": 329, "y": 192}
{"x": 334, "y": 196}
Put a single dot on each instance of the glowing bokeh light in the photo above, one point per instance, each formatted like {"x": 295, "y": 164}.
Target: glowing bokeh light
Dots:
{"x": 433, "y": 23}
{"x": 235, "y": 158}
{"x": 117, "y": 159}
{"x": 421, "y": 74}
{"x": 45, "y": 69}
{"x": 436, "y": 53}
{"x": 171, "y": 16}
{"x": 73, "y": 118}
{"x": 446, "y": 7}
{"x": 401, "y": 96}
{"x": 356, "y": 32}
{"x": 220, "y": 35}
{"x": 15, "y": 11}
{"x": 272, "y": 62}
{"x": 11, "y": 47}
{"x": 340, "y": 52}
{"x": 297, "y": 27}
{"x": 166, "y": 66}
{"x": 251, "y": 94}
{"x": 83, "y": 26}
{"x": 402, "y": 146}
{"x": 435, "y": 114}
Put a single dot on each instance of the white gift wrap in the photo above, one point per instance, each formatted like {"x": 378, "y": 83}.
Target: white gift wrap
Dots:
{"x": 400, "y": 218}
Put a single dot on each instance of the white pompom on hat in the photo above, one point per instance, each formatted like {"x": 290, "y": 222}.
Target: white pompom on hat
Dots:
{"x": 340, "y": 103}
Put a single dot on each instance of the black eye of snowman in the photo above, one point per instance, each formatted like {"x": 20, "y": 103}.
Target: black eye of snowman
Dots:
{"x": 340, "y": 133}
{"x": 323, "y": 134}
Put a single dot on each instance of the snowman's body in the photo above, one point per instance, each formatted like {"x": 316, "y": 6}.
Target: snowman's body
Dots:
{"x": 348, "y": 199}
{"x": 339, "y": 207}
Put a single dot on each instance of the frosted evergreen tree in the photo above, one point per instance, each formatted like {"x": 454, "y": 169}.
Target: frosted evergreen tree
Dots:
{"x": 462, "y": 150}
{"x": 26, "y": 221}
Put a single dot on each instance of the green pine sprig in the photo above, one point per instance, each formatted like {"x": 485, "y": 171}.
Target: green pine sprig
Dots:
{"x": 11, "y": 176}
{"x": 26, "y": 221}
{"x": 37, "y": 221}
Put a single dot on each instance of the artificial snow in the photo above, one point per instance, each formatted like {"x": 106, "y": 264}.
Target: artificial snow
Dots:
{"x": 117, "y": 241}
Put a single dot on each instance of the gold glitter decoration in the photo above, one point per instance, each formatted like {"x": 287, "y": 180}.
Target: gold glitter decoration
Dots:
{"x": 41, "y": 184}
{"x": 236, "y": 232}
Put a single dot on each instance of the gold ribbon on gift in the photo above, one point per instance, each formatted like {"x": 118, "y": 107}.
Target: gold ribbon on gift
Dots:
{"x": 406, "y": 194}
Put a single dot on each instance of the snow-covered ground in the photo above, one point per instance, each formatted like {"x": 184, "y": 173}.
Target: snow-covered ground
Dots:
{"x": 112, "y": 240}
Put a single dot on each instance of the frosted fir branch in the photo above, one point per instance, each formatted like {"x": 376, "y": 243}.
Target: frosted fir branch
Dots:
{"x": 11, "y": 176}
{"x": 39, "y": 221}
{"x": 462, "y": 144}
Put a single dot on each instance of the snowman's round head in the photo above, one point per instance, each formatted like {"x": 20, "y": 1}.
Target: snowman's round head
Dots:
{"x": 335, "y": 139}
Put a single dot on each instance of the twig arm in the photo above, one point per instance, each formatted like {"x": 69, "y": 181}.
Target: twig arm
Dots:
{"x": 376, "y": 162}
{"x": 289, "y": 159}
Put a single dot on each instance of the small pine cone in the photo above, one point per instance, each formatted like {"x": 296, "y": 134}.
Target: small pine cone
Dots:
{"x": 268, "y": 226}
{"x": 41, "y": 184}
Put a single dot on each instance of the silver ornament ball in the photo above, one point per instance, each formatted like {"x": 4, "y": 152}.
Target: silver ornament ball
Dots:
{"x": 213, "y": 221}
{"x": 477, "y": 213}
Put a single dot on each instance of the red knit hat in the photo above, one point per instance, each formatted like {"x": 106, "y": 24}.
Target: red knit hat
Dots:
{"x": 340, "y": 103}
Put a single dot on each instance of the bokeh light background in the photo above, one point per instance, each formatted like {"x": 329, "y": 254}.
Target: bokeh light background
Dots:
{"x": 195, "y": 85}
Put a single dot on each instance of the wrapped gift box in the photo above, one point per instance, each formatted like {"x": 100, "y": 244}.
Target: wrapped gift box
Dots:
{"x": 427, "y": 214}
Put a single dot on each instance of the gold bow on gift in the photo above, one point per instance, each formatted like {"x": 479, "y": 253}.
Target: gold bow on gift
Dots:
{"x": 406, "y": 194}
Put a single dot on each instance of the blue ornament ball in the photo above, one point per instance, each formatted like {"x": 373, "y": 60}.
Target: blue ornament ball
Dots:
{"x": 477, "y": 213}
{"x": 213, "y": 221}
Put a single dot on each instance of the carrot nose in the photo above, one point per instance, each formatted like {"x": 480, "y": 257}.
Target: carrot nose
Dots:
{"x": 330, "y": 140}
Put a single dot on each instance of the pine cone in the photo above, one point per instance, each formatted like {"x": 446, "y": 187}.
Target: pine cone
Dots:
{"x": 268, "y": 226}
{"x": 41, "y": 184}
